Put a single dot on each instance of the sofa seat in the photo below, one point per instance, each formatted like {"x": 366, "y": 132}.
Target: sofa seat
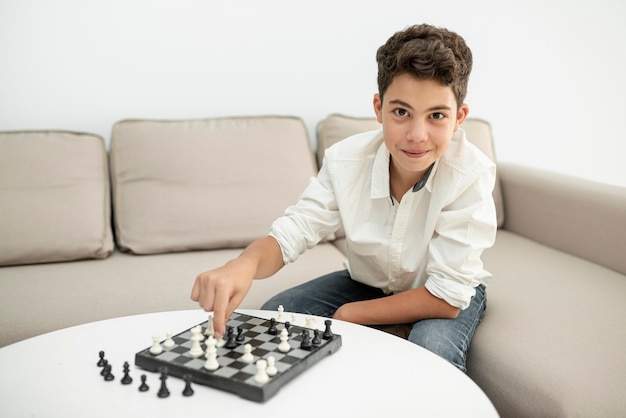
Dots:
{"x": 552, "y": 340}
{"x": 45, "y": 297}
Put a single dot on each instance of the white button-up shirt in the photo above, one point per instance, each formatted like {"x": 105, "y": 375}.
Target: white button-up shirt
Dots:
{"x": 433, "y": 237}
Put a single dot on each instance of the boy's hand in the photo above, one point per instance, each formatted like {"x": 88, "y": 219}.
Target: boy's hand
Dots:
{"x": 222, "y": 290}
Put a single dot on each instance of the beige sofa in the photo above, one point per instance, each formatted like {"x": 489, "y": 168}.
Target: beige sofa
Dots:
{"x": 87, "y": 234}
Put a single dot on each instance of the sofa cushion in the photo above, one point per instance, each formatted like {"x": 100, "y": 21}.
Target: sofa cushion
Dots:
{"x": 552, "y": 340}
{"x": 336, "y": 127}
{"x": 54, "y": 197}
{"x": 183, "y": 185}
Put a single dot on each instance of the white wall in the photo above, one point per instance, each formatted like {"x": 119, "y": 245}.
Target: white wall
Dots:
{"x": 549, "y": 75}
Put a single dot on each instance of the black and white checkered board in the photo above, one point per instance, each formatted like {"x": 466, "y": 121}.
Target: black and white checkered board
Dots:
{"x": 234, "y": 375}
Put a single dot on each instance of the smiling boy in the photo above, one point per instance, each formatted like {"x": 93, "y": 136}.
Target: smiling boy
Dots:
{"x": 414, "y": 199}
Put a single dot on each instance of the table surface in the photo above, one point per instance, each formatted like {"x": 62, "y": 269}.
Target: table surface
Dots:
{"x": 374, "y": 374}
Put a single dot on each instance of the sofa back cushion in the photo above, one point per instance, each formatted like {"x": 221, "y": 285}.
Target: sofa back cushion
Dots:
{"x": 183, "y": 185}
{"x": 336, "y": 127}
{"x": 54, "y": 197}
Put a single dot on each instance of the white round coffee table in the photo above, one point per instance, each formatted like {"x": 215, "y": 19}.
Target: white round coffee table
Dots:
{"x": 374, "y": 374}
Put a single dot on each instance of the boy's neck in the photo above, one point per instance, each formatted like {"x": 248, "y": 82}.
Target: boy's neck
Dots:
{"x": 401, "y": 181}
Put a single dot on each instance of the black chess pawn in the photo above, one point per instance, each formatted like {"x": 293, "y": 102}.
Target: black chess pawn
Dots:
{"x": 316, "y": 337}
{"x": 188, "y": 391}
{"x": 163, "y": 391}
{"x": 104, "y": 366}
{"x": 305, "y": 344}
{"x": 144, "y": 386}
{"x": 101, "y": 361}
{"x": 230, "y": 339}
{"x": 328, "y": 334}
{"x": 272, "y": 330}
{"x": 288, "y": 328}
{"x": 108, "y": 376}
{"x": 126, "y": 380}
{"x": 240, "y": 336}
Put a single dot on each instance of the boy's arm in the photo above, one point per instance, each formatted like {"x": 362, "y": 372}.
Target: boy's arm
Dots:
{"x": 222, "y": 290}
{"x": 410, "y": 306}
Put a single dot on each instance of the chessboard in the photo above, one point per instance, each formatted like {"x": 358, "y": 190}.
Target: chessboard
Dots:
{"x": 248, "y": 336}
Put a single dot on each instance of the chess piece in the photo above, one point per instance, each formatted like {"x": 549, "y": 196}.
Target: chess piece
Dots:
{"x": 101, "y": 360}
{"x": 209, "y": 327}
{"x": 305, "y": 344}
{"x": 163, "y": 391}
{"x": 280, "y": 317}
{"x": 169, "y": 342}
{"x": 316, "y": 337}
{"x": 156, "y": 348}
{"x": 230, "y": 339}
{"x": 211, "y": 355}
{"x": 328, "y": 334}
{"x": 108, "y": 376}
{"x": 188, "y": 391}
{"x": 143, "y": 386}
{"x": 104, "y": 365}
{"x": 247, "y": 354}
{"x": 240, "y": 336}
{"x": 284, "y": 346}
{"x": 196, "y": 348}
{"x": 272, "y": 330}
{"x": 126, "y": 380}
{"x": 261, "y": 374}
{"x": 271, "y": 366}
{"x": 310, "y": 322}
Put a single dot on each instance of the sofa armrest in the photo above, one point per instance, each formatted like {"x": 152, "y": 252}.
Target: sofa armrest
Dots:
{"x": 581, "y": 217}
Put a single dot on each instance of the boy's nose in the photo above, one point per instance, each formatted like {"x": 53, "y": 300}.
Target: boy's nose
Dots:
{"x": 417, "y": 132}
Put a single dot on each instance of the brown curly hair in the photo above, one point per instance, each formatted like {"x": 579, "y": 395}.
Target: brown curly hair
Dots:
{"x": 426, "y": 52}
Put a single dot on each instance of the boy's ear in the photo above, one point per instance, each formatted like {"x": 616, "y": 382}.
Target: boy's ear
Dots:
{"x": 461, "y": 114}
{"x": 378, "y": 108}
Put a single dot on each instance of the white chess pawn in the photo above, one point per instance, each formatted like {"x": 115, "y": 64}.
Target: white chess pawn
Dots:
{"x": 280, "y": 318}
{"x": 156, "y": 348}
{"x": 196, "y": 348}
{"x": 198, "y": 329}
{"x": 271, "y": 368}
{"x": 169, "y": 342}
{"x": 210, "y": 345}
{"x": 261, "y": 374}
{"x": 310, "y": 322}
{"x": 284, "y": 346}
{"x": 247, "y": 354}
{"x": 211, "y": 355}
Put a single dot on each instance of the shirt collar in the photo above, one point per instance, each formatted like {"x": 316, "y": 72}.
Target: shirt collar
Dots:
{"x": 420, "y": 184}
{"x": 380, "y": 175}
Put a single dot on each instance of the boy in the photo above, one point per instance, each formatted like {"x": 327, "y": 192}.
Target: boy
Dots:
{"x": 415, "y": 202}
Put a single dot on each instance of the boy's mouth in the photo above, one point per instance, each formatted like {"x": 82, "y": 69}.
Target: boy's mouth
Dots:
{"x": 415, "y": 154}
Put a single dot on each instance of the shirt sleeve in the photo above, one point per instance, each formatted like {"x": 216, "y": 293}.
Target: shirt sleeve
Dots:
{"x": 465, "y": 228}
{"x": 312, "y": 218}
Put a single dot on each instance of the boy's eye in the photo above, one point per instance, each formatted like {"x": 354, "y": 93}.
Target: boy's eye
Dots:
{"x": 438, "y": 115}
{"x": 401, "y": 112}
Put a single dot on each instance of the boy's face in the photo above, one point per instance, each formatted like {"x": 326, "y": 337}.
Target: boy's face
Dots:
{"x": 418, "y": 117}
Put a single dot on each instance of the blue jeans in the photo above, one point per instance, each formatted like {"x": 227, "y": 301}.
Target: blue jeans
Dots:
{"x": 448, "y": 338}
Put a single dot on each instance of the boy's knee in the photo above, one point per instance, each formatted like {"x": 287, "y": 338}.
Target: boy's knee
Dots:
{"x": 442, "y": 346}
